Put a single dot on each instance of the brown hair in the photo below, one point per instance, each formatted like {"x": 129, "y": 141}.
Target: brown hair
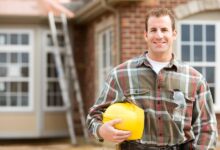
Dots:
{"x": 158, "y": 12}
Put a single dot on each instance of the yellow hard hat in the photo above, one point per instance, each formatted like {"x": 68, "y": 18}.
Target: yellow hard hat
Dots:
{"x": 132, "y": 118}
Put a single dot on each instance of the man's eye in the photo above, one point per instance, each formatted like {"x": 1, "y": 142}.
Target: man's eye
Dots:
{"x": 164, "y": 30}
{"x": 153, "y": 30}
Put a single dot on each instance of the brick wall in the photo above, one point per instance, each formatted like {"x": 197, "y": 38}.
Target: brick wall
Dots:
{"x": 133, "y": 25}
{"x": 84, "y": 57}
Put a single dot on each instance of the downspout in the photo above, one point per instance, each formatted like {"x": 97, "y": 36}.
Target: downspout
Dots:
{"x": 106, "y": 5}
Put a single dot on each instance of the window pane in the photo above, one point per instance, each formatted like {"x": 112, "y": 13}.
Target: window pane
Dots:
{"x": 49, "y": 40}
{"x": 210, "y": 74}
{"x": 210, "y": 53}
{"x": 60, "y": 99}
{"x": 7, "y": 85}
{"x": 14, "y": 57}
{"x": 24, "y": 100}
{"x": 210, "y": 33}
{"x": 14, "y": 87}
{"x": 3, "y": 71}
{"x": 185, "y": 33}
{"x": 54, "y": 94}
{"x": 3, "y": 39}
{"x": 24, "y": 57}
{"x": 212, "y": 89}
{"x": 25, "y": 71}
{"x": 60, "y": 39}
{"x": 14, "y": 39}
{"x": 53, "y": 72}
{"x": 57, "y": 87}
{"x": 48, "y": 99}
{"x": 3, "y": 58}
{"x": 185, "y": 52}
{"x": 24, "y": 39}
{"x": 197, "y": 53}
{"x": 14, "y": 100}
{"x": 24, "y": 87}
{"x": 50, "y": 87}
{"x": 199, "y": 69}
{"x": 2, "y": 87}
{"x": 197, "y": 32}
{"x": 50, "y": 59}
{"x": 2, "y": 100}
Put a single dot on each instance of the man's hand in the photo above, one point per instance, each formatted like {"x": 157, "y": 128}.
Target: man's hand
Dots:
{"x": 109, "y": 133}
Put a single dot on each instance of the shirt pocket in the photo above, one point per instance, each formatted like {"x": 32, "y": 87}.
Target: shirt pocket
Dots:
{"x": 137, "y": 96}
{"x": 183, "y": 111}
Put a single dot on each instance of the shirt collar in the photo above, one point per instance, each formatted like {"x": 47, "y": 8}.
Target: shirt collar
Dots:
{"x": 142, "y": 60}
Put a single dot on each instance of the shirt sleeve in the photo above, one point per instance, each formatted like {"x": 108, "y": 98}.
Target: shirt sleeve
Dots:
{"x": 204, "y": 120}
{"x": 110, "y": 93}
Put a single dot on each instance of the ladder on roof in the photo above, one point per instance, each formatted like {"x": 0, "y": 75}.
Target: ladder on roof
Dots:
{"x": 63, "y": 82}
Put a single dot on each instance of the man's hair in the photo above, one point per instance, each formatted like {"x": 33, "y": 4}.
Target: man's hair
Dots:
{"x": 158, "y": 12}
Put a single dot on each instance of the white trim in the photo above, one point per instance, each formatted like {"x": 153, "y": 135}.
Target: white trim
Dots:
{"x": 206, "y": 64}
{"x": 48, "y": 49}
{"x": 21, "y": 48}
{"x": 104, "y": 70}
{"x": 104, "y": 25}
{"x": 217, "y": 72}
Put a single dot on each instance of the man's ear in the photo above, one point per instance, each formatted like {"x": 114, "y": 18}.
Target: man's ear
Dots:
{"x": 174, "y": 34}
{"x": 145, "y": 36}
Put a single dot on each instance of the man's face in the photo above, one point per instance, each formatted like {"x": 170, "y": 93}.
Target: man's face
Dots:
{"x": 160, "y": 36}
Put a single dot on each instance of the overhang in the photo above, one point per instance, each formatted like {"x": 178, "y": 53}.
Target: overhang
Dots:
{"x": 31, "y": 9}
{"x": 95, "y": 8}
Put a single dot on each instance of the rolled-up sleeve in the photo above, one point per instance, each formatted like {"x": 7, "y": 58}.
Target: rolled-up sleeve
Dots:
{"x": 110, "y": 93}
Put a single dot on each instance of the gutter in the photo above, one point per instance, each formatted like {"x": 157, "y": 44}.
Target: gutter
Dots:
{"x": 106, "y": 5}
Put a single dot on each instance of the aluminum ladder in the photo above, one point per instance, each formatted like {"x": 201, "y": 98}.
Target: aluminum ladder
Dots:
{"x": 63, "y": 82}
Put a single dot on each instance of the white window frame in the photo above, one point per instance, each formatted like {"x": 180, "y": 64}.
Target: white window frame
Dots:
{"x": 19, "y": 49}
{"x": 206, "y": 64}
{"x": 104, "y": 71}
{"x": 49, "y": 49}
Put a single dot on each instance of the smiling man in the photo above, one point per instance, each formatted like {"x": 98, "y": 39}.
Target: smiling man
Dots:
{"x": 177, "y": 102}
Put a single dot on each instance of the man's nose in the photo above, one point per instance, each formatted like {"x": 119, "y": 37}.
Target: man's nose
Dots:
{"x": 159, "y": 34}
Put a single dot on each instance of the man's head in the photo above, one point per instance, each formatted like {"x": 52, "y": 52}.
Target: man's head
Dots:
{"x": 160, "y": 34}
{"x": 158, "y": 12}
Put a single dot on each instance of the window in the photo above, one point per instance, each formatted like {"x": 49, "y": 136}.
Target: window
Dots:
{"x": 54, "y": 97}
{"x": 105, "y": 54}
{"x": 199, "y": 48}
{"x": 54, "y": 100}
{"x": 15, "y": 71}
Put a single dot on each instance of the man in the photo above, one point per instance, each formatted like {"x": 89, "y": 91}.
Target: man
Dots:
{"x": 175, "y": 97}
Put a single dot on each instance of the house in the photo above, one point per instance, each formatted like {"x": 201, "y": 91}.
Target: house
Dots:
{"x": 108, "y": 32}
{"x": 105, "y": 34}
{"x": 31, "y": 105}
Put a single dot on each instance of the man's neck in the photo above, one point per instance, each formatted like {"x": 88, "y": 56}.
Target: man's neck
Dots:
{"x": 160, "y": 58}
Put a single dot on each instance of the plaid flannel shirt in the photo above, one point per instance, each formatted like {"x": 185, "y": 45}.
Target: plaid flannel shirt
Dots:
{"x": 177, "y": 102}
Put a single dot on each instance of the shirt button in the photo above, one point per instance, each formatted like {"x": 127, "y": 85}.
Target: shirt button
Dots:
{"x": 159, "y": 118}
{"x": 158, "y": 103}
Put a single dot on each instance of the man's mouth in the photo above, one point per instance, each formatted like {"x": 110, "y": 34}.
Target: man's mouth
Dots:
{"x": 159, "y": 43}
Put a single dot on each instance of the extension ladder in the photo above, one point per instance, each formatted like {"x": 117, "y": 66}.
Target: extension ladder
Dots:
{"x": 63, "y": 82}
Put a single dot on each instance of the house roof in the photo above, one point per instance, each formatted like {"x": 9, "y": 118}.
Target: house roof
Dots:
{"x": 31, "y": 8}
{"x": 97, "y": 7}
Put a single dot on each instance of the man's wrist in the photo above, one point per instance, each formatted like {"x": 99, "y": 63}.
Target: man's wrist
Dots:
{"x": 97, "y": 135}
